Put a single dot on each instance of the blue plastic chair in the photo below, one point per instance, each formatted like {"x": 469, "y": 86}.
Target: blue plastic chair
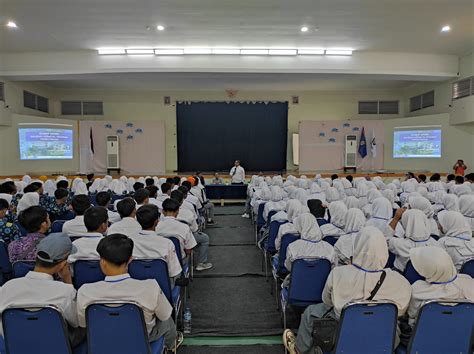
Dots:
{"x": 411, "y": 274}
{"x": 259, "y": 222}
{"x": 308, "y": 278}
{"x": 443, "y": 327}
{"x": 68, "y": 215}
{"x": 269, "y": 216}
{"x": 269, "y": 247}
{"x": 86, "y": 271}
{"x": 5, "y": 265}
{"x": 390, "y": 260}
{"x": 21, "y": 268}
{"x": 279, "y": 270}
{"x": 57, "y": 226}
{"x": 331, "y": 240}
{"x": 468, "y": 268}
{"x": 184, "y": 265}
{"x": 118, "y": 328}
{"x": 367, "y": 327}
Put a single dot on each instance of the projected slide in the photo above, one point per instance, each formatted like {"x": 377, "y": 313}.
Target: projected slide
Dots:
{"x": 45, "y": 143}
{"x": 417, "y": 143}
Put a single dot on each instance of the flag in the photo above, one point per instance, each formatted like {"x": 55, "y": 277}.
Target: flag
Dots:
{"x": 362, "y": 144}
{"x": 91, "y": 141}
{"x": 373, "y": 145}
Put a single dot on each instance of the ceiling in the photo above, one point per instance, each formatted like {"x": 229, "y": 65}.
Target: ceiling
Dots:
{"x": 365, "y": 25}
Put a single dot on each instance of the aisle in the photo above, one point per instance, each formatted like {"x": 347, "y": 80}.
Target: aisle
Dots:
{"x": 233, "y": 299}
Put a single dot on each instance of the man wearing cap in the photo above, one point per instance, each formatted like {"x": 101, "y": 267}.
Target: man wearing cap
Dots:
{"x": 38, "y": 287}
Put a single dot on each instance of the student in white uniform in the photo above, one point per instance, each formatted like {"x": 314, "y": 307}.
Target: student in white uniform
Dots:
{"x": 294, "y": 208}
{"x": 344, "y": 247}
{"x": 354, "y": 282}
{"x": 76, "y": 227}
{"x": 335, "y": 227}
{"x": 128, "y": 225}
{"x": 148, "y": 245}
{"x": 190, "y": 198}
{"x": 441, "y": 280}
{"x": 153, "y": 194}
{"x": 457, "y": 240}
{"x": 96, "y": 221}
{"x": 103, "y": 199}
{"x": 382, "y": 213}
{"x": 142, "y": 197}
{"x": 185, "y": 215}
{"x": 423, "y": 204}
{"x": 237, "y": 173}
{"x": 115, "y": 254}
{"x": 198, "y": 189}
{"x": 165, "y": 194}
{"x": 38, "y": 287}
{"x": 466, "y": 208}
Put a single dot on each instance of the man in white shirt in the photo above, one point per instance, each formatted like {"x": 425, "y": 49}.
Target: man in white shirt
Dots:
{"x": 38, "y": 287}
{"x": 190, "y": 197}
{"x": 148, "y": 245}
{"x": 115, "y": 254}
{"x": 237, "y": 173}
{"x": 96, "y": 221}
{"x": 153, "y": 192}
{"x": 76, "y": 227}
{"x": 142, "y": 197}
{"x": 165, "y": 194}
{"x": 128, "y": 225}
{"x": 103, "y": 199}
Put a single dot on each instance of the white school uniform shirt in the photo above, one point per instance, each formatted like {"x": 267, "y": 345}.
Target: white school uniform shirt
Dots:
{"x": 154, "y": 201}
{"x": 37, "y": 288}
{"x": 171, "y": 227}
{"x": 113, "y": 216}
{"x": 148, "y": 245}
{"x": 237, "y": 174}
{"x": 127, "y": 226}
{"x": 189, "y": 206}
{"x": 146, "y": 293}
{"x": 86, "y": 247}
{"x": 189, "y": 218}
{"x": 75, "y": 227}
{"x": 197, "y": 192}
{"x": 194, "y": 201}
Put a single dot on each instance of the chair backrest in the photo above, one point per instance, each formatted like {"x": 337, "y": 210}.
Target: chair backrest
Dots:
{"x": 286, "y": 240}
{"x": 367, "y": 327}
{"x": 57, "y": 226}
{"x": 87, "y": 271}
{"x": 331, "y": 240}
{"x": 40, "y": 330}
{"x": 5, "y": 265}
{"x": 68, "y": 215}
{"x": 269, "y": 216}
{"x": 116, "y": 328}
{"x": 21, "y": 268}
{"x": 152, "y": 269}
{"x": 116, "y": 197}
{"x": 260, "y": 219}
{"x": 177, "y": 247}
{"x": 468, "y": 268}
{"x": 443, "y": 327}
{"x": 308, "y": 277}
{"x": 411, "y": 274}
{"x": 272, "y": 234}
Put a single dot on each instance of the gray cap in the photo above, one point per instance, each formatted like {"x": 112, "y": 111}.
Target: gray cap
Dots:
{"x": 55, "y": 248}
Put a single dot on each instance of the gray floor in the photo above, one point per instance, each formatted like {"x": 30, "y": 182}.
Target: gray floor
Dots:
{"x": 251, "y": 349}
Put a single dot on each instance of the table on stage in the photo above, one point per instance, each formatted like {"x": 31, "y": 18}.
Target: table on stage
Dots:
{"x": 226, "y": 191}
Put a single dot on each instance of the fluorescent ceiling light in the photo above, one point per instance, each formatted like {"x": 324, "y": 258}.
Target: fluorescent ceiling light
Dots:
{"x": 254, "y": 51}
{"x": 111, "y": 51}
{"x": 169, "y": 52}
{"x": 282, "y": 52}
{"x": 160, "y": 28}
{"x": 12, "y": 24}
{"x": 197, "y": 51}
{"x": 310, "y": 51}
{"x": 446, "y": 28}
{"x": 304, "y": 29}
{"x": 226, "y": 51}
{"x": 338, "y": 51}
{"x": 140, "y": 51}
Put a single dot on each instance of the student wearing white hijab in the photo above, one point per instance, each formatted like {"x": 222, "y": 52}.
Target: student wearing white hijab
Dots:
{"x": 457, "y": 240}
{"x": 335, "y": 228}
{"x": 423, "y": 204}
{"x": 441, "y": 280}
{"x": 344, "y": 247}
{"x": 407, "y": 188}
{"x": 310, "y": 244}
{"x": 438, "y": 198}
{"x": 361, "y": 193}
{"x": 451, "y": 202}
{"x": 390, "y": 196}
{"x": 28, "y": 200}
{"x": 81, "y": 188}
{"x": 382, "y": 213}
{"x": 466, "y": 208}
{"x": 26, "y": 179}
{"x": 352, "y": 202}
{"x": 349, "y": 190}
{"x": 372, "y": 194}
{"x": 49, "y": 188}
{"x": 94, "y": 188}
{"x": 294, "y": 208}
{"x": 276, "y": 203}
{"x": 74, "y": 184}
{"x": 315, "y": 192}
{"x": 353, "y": 282}
{"x": 417, "y": 234}
{"x": 332, "y": 195}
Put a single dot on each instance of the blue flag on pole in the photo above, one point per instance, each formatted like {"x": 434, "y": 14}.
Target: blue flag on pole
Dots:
{"x": 362, "y": 144}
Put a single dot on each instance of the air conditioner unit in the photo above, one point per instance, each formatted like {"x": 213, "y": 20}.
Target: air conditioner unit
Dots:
{"x": 350, "y": 152}
{"x": 113, "y": 158}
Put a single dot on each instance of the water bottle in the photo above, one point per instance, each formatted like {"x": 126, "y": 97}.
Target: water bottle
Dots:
{"x": 187, "y": 321}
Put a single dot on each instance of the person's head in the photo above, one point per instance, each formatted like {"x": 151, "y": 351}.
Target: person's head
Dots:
{"x": 193, "y": 180}
{"x": 96, "y": 219}
{"x": 152, "y": 190}
{"x": 334, "y": 176}
{"x": 32, "y": 187}
{"x": 90, "y": 177}
{"x": 115, "y": 253}
{"x": 137, "y": 186}
{"x": 4, "y": 206}
{"x": 148, "y": 216}
{"x": 469, "y": 177}
{"x": 35, "y": 219}
{"x": 237, "y": 163}
{"x": 103, "y": 199}
{"x": 410, "y": 175}
{"x": 166, "y": 188}
{"x": 350, "y": 178}
{"x": 126, "y": 208}
{"x": 176, "y": 180}
{"x": 370, "y": 249}
{"x": 184, "y": 190}
{"x": 142, "y": 196}
{"x": 61, "y": 195}
{"x": 459, "y": 179}
{"x": 8, "y": 187}
{"x": 62, "y": 184}
{"x": 461, "y": 162}
{"x": 170, "y": 207}
{"x": 80, "y": 203}
{"x": 177, "y": 195}
{"x": 435, "y": 177}
{"x": 450, "y": 177}
{"x": 422, "y": 177}
{"x": 433, "y": 263}
{"x": 216, "y": 175}
{"x": 149, "y": 182}
{"x": 187, "y": 184}
{"x": 170, "y": 180}
{"x": 52, "y": 253}
{"x": 316, "y": 208}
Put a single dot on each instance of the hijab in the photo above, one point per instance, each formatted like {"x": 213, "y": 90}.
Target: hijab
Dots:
{"x": 462, "y": 189}
{"x": 352, "y": 202}
{"x": 49, "y": 187}
{"x": 338, "y": 212}
{"x": 433, "y": 263}
{"x": 81, "y": 189}
{"x": 293, "y": 207}
{"x": 416, "y": 225}
{"x": 370, "y": 250}
{"x": 307, "y": 227}
{"x": 451, "y": 202}
{"x": 454, "y": 225}
{"x": 355, "y": 220}
{"x": 466, "y": 207}
{"x": 332, "y": 195}
{"x": 28, "y": 200}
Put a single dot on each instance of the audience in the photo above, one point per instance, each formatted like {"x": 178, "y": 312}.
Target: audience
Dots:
{"x": 103, "y": 200}
{"x": 76, "y": 227}
{"x": 8, "y": 229}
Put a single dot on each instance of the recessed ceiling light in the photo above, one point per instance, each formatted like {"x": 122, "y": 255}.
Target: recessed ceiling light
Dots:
{"x": 304, "y": 29}
{"x": 254, "y": 51}
{"x": 160, "y": 28}
{"x": 199, "y": 51}
{"x": 226, "y": 51}
{"x": 282, "y": 51}
{"x": 310, "y": 51}
{"x": 338, "y": 51}
{"x": 111, "y": 51}
{"x": 11, "y": 24}
{"x": 446, "y": 28}
{"x": 143, "y": 51}
{"x": 169, "y": 51}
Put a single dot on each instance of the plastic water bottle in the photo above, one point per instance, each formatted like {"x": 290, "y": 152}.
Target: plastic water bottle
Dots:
{"x": 187, "y": 321}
